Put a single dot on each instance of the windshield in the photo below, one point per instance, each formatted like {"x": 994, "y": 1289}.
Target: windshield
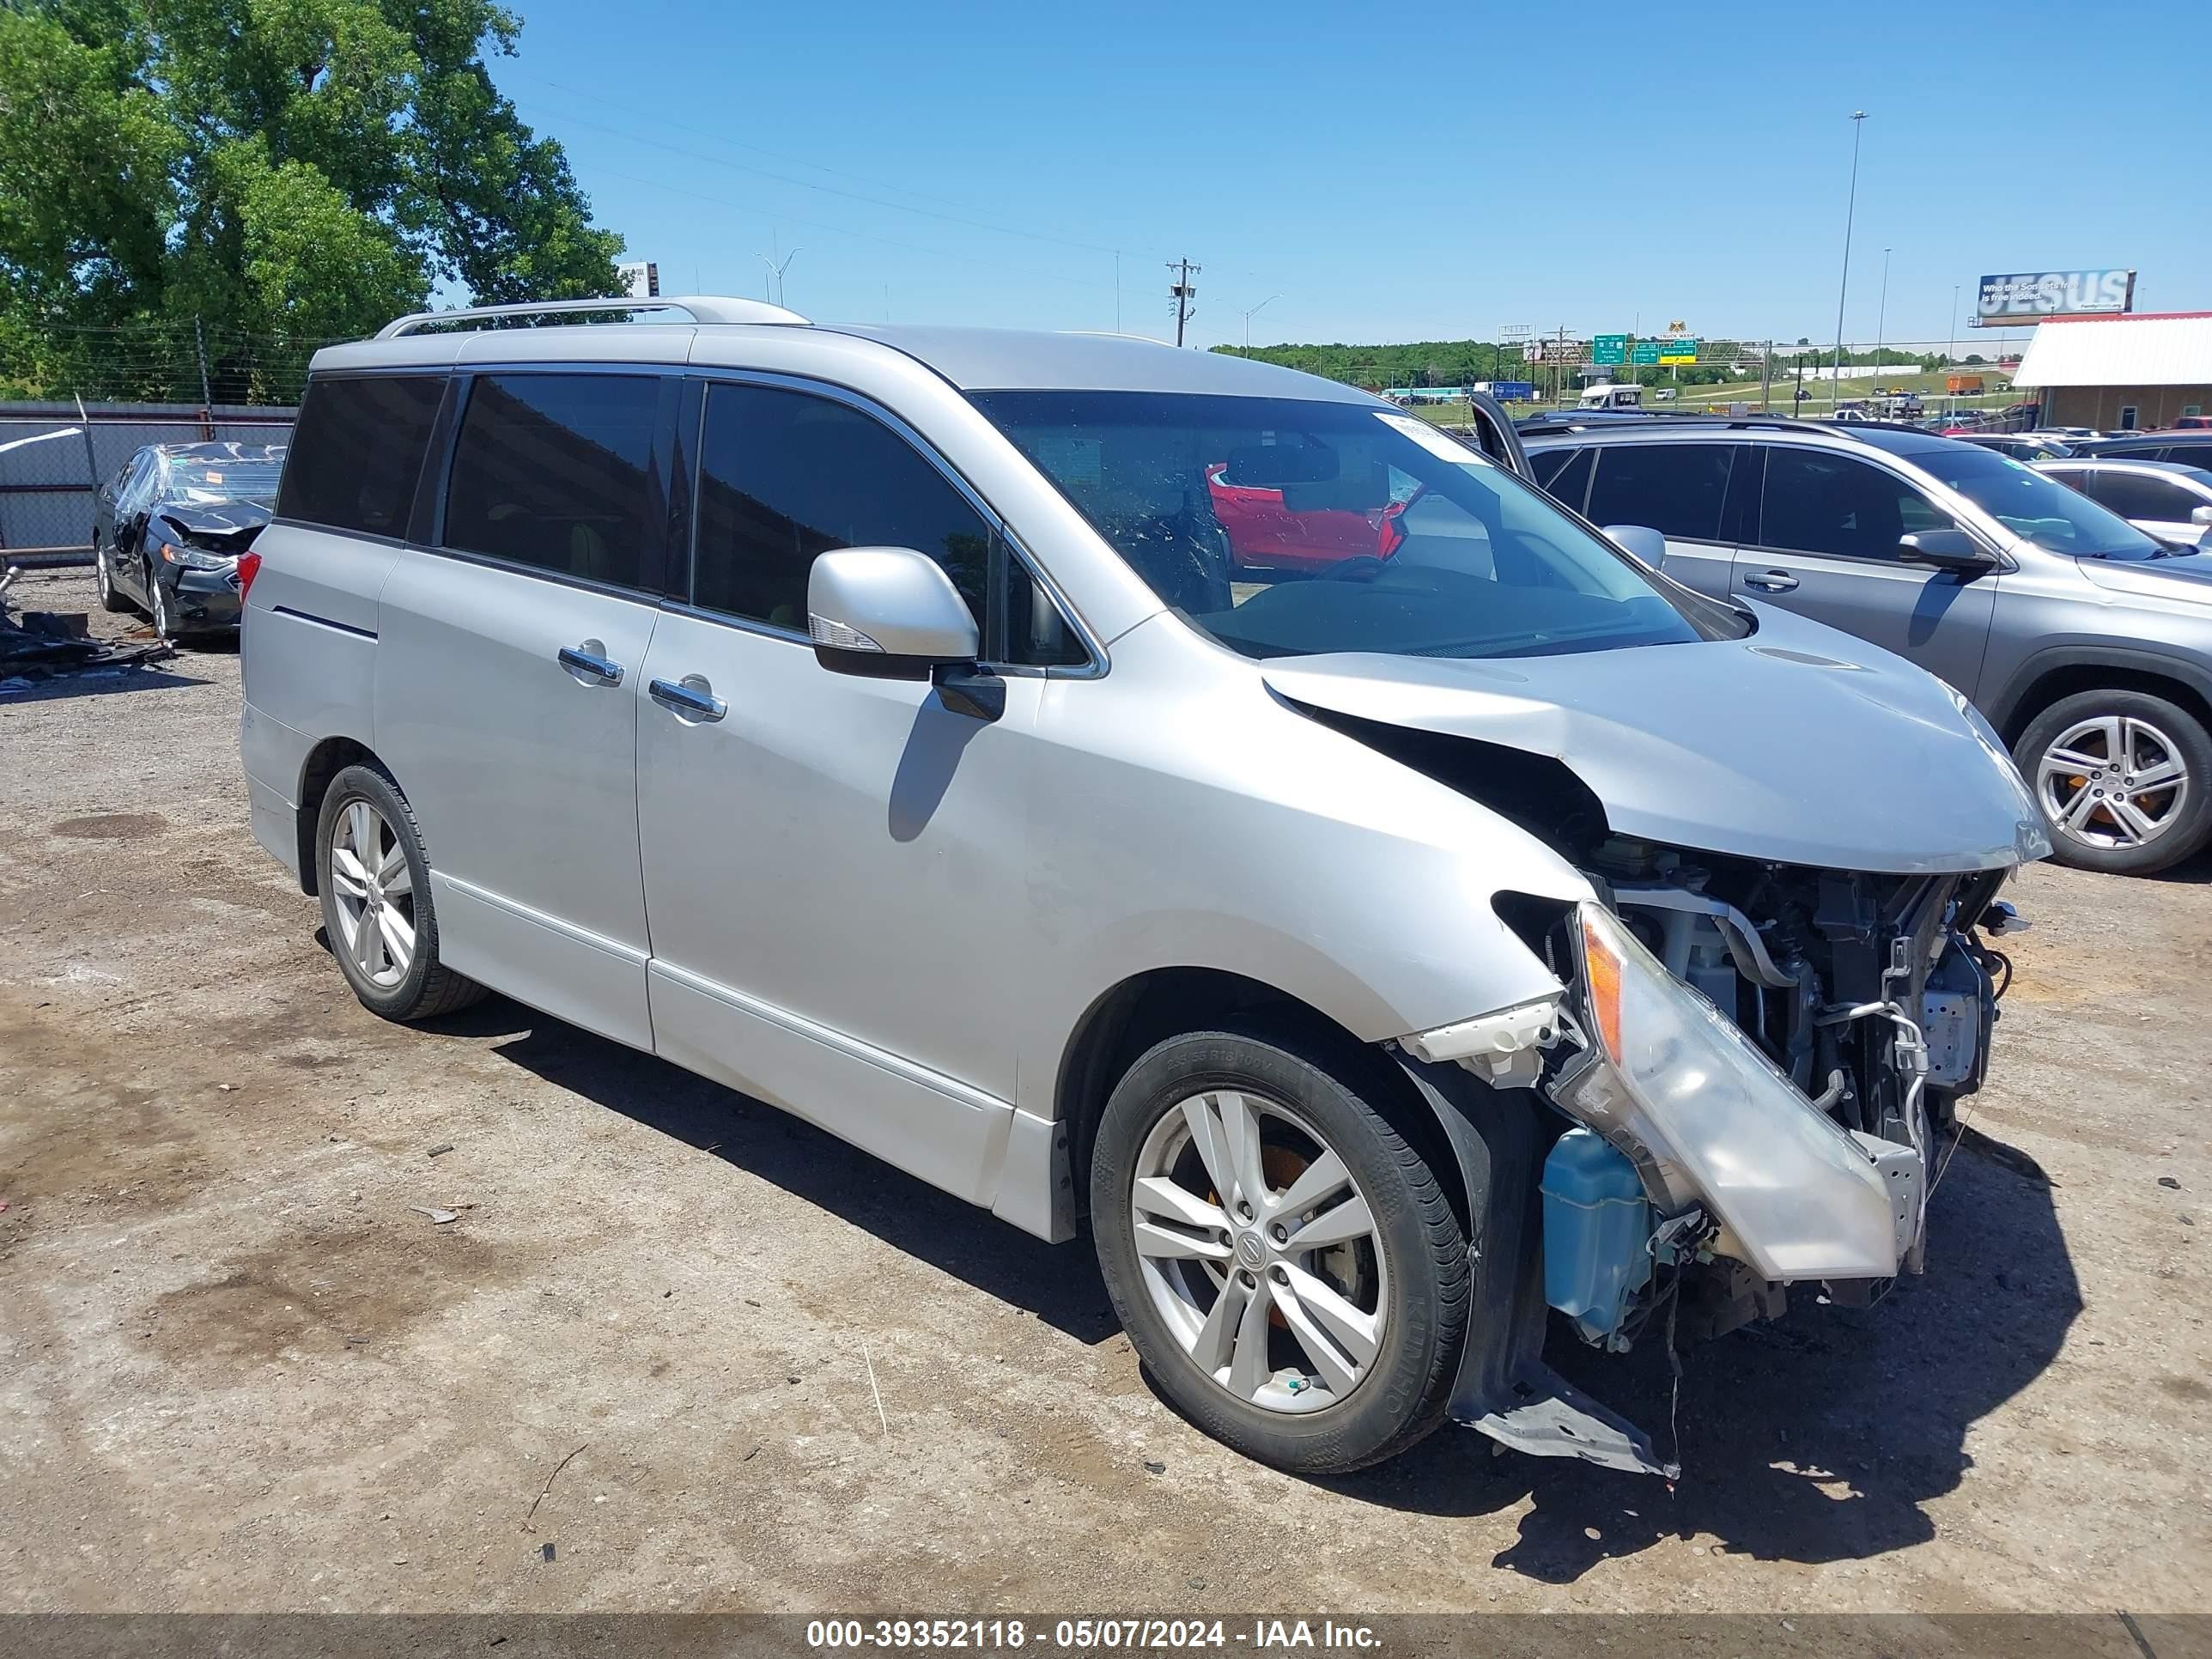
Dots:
{"x": 1283, "y": 527}
{"x": 227, "y": 479}
{"x": 2031, "y": 504}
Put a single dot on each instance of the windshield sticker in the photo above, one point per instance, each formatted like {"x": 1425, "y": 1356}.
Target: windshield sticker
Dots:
{"x": 1438, "y": 444}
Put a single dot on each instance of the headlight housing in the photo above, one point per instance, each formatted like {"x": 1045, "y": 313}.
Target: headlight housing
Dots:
{"x": 192, "y": 558}
{"x": 1709, "y": 1119}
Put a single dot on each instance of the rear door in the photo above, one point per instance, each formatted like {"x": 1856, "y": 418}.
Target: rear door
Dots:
{"x": 1686, "y": 492}
{"x": 2157, "y": 507}
{"x": 1827, "y": 547}
{"x": 507, "y": 684}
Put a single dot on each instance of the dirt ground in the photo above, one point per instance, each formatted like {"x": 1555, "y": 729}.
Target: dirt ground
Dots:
{"x": 240, "y": 1370}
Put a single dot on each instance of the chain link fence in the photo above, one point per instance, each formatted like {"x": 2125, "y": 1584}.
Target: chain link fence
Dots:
{"x": 53, "y": 460}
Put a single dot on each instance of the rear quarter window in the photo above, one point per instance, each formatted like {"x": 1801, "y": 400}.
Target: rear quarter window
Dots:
{"x": 357, "y": 451}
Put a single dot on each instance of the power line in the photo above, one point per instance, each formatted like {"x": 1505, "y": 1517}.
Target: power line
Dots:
{"x": 831, "y": 190}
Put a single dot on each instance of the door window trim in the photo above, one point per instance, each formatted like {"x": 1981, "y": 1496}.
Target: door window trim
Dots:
{"x": 1002, "y": 534}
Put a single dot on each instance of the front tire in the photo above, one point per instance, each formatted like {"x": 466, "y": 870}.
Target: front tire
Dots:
{"x": 1282, "y": 1256}
{"x": 157, "y": 605}
{"x": 377, "y": 909}
{"x": 2124, "y": 778}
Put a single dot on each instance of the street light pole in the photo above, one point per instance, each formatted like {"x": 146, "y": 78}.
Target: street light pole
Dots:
{"x": 776, "y": 269}
{"x": 1843, "y": 284}
{"x": 1262, "y": 306}
{"x": 1882, "y": 310}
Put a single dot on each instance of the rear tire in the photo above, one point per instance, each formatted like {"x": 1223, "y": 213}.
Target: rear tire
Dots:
{"x": 1356, "y": 1340}
{"x": 2142, "y": 736}
{"x": 111, "y": 597}
{"x": 378, "y": 912}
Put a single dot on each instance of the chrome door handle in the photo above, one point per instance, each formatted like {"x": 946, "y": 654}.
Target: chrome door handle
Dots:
{"x": 1772, "y": 581}
{"x": 686, "y": 700}
{"x": 591, "y": 665}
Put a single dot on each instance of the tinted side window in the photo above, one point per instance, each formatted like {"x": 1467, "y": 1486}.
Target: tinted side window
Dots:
{"x": 554, "y": 471}
{"x": 2132, "y": 496}
{"x": 1565, "y": 473}
{"x": 1037, "y": 634}
{"x": 1675, "y": 488}
{"x": 357, "y": 451}
{"x": 1816, "y": 502}
{"x": 785, "y": 475}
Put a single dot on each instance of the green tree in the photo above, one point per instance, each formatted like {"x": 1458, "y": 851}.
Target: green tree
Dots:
{"x": 279, "y": 172}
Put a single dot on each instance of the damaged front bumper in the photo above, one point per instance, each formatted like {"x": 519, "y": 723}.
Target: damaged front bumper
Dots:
{"x": 1722, "y": 1174}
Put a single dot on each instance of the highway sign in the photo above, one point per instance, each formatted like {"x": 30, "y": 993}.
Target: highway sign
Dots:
{"x": 1650, "y": 352}
{"x": 1608, "y": 348}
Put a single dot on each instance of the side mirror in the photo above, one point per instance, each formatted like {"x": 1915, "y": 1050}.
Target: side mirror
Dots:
{"x": 892, "y": 613}
{"x": 1942, "y": 549}
{"x": 2199, "y": 515}
{"x": 1645, "y": 543}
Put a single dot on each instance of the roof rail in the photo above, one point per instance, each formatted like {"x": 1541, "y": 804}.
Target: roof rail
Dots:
{"x": 690, "y": 308}
{"x": 1644, "y": 419}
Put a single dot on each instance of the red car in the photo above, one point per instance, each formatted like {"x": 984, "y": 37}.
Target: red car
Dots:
{"x": 1265, "y": 533}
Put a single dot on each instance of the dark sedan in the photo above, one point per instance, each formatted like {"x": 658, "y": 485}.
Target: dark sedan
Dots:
{"x": 167, "y": 530}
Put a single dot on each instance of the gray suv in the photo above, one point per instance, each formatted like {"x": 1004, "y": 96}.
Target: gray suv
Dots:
{"x": 2085, "y": 642}
{"x": 1102, "y": 779}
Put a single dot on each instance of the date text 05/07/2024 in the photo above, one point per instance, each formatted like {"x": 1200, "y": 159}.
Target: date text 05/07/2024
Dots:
{"x": 1260, "y": 1636}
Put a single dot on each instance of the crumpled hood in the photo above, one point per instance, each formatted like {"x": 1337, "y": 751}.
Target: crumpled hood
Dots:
{"x": 2182, "y": 576}
{"x": 214, "y": 518}
{"x": 1798, "y": 744}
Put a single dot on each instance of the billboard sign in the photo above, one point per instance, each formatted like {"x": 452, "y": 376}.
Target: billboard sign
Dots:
{"x": 2024, "y": 296}
{"x": 641, "y": 279}
{"x": 1551, "y": 349}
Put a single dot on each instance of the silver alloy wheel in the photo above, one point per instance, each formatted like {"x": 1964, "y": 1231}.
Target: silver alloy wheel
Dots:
{"x": 157, "y": 603}
{"x": 375, "y": 893}
{"x": 2112, "y": 782}
{"x": 1281, "y": 1295}
{"x": 104, "y": 581}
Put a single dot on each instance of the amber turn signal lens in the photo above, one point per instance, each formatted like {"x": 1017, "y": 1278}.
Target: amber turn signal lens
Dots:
{"x": 1601, "y": 980}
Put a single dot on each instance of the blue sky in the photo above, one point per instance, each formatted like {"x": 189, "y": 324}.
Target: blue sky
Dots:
{"x": 1410, "y": 171}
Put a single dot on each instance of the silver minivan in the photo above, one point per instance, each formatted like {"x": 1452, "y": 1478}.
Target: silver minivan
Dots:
{"x": 1116, "y": 782}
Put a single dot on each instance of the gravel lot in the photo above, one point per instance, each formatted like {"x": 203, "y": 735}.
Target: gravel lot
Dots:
{"x": 241, "y": 1370}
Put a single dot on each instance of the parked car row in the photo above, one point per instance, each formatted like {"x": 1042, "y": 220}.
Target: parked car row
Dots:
{"x": 1473, "y": 921}
{"x": 2085, "y": 642}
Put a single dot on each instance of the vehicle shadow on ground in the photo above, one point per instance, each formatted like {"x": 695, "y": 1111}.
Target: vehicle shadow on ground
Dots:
{"x": 2195, "y": 871}
{"x": 1058, "y": 1283}
{"x": 1816, "y": 1439}
{"x": 91, "y": 683}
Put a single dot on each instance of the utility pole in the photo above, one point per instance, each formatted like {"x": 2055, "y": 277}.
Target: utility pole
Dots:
{"x": 1766, "y": 378}
{"x": 1843, "y": 286}
{"x": 1182, "y": 293}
